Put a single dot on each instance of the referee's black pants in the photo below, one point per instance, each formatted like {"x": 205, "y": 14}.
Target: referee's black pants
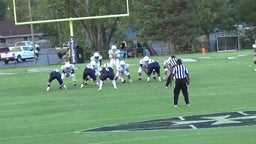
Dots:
{"x": 180, "y": 84}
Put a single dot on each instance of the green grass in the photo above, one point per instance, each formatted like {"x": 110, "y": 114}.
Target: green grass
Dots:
{"x": 30, "y": 115}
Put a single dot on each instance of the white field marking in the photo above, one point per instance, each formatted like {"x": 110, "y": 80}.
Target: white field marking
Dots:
{"x": 189, "y": 60}
{"x": 42, "y": 70}
{"x": 181, "y": 118}
{"x": 241, "y": 55}
{"x": 231, "y": 58}
{"x": 35, "y": 136}
{"x": 204, "y": 57}
{"x": 136, "y": 140}
{"x": 8, "y": 73}
{"x": 38, "y": 70}
{"x": 236, "y": 57}
{"x": 243, "y": 113}
{"x": 193, "y": 127}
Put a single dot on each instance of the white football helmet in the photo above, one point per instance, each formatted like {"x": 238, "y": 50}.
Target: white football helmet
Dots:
{"x": 96, "y": 55}
{"x": 122, "y": 62}
{"x": 67, "y": 65}
{"x": 113, "y": 47}
{"x": 146, "y": 58}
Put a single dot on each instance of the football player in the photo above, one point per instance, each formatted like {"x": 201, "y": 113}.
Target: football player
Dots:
{"x": 173, "y": 62}
{"x": 152, "y": 66}
{"x": 166, "y": 68}
{"x": 254, "y": 59}
{"x": 55, "y": 74}
{"x": 107, "y": 72}
{"x": 123, "y": 70}
{"x": 89, "y": 71}
{"x": 97, "y": 58}
{"x": 114, "y": 55}
{"x": 68, "y": 70}
{"x": 168, "y": 64}
{"x": 144, "y": 66}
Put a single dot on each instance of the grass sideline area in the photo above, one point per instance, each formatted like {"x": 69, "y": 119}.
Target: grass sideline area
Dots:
{"x": 220, "y": 82}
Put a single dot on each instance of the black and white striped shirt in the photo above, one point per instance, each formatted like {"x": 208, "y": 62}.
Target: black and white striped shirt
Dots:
{"x": 180, "y": 72}
{"x": 173, "y": 61}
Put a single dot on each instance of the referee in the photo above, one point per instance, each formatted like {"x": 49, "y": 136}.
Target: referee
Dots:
{"x": 173, "y": 63}
{"x": 180, "y": 72}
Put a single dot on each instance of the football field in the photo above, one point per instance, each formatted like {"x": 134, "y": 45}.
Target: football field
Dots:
{"x": 222, "y": 94}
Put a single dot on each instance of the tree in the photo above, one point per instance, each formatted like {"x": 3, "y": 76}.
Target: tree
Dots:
{"x": 169, "y": 20}
{"x": 246, "y": 12}
{"x": 180, "y": 21}
{"x": 97, "y": 33}
{"x": 3, "y": 9}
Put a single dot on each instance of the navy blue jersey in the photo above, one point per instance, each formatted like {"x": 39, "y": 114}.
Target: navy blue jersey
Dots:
{"x": 153, "y": 66}
{"x": 89, "y": 72}
{"x": 107, "y": 73}
{"x": 55, "y": 75}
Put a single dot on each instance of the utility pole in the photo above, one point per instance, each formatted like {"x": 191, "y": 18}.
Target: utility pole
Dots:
{"x": 32, "y": 31}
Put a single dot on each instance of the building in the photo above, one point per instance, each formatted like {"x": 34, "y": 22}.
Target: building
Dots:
{"x": 11, "y": 33}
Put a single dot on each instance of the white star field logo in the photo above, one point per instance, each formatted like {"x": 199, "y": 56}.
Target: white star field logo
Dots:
{"x": 240, "y": 118}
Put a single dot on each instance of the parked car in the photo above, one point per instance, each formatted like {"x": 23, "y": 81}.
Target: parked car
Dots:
{"x": 30, "y": 45}
{"x": 4, "y": 49}
{"x": 18, "y": 53}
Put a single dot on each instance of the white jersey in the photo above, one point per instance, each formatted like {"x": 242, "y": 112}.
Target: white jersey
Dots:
{"x": 144, "y": 64}
{"x": 97, "y": 62}
{"x": 90, "y": 66}
{"x": 67, "y": 68}
{"x": 254, "y": 45}
{"x": 166, "y": 62}
{"x": 254, "y": 49}
{"x": 114, "y": 54}
{"x": 123, "y": 68}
